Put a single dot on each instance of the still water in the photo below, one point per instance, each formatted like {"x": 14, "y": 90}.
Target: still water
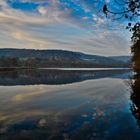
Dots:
{"x": 67, "y": 105}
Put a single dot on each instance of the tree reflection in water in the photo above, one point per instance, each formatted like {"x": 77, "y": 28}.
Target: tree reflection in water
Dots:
{"x": 135, "y": 97}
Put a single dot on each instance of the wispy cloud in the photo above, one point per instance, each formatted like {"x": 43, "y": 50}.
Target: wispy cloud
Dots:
{"x": 54, "y": 24}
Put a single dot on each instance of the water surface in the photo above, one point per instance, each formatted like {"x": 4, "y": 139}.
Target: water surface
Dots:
{"x": 66, "y": 105}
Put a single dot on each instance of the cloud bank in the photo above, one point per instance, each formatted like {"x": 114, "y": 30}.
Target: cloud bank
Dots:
{"x": 76, "y": 25}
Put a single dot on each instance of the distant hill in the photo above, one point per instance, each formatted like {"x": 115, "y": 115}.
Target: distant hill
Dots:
{"x": 121, "y": 58}
{"x": 58, "y": 58}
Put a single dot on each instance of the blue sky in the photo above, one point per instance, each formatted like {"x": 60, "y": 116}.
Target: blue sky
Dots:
{"x": 77, "y": 25}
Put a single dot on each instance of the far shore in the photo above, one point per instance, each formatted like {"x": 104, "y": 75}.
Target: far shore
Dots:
{"x": 53, "y": 68}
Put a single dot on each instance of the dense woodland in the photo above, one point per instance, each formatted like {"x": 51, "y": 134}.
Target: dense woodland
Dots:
{"x": 32, "y": 62}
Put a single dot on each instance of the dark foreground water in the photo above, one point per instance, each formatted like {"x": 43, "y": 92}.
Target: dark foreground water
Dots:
{"x": 67, "y": 105}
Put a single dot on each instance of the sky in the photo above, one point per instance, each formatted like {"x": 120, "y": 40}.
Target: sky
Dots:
{"x": 75, "y": 25}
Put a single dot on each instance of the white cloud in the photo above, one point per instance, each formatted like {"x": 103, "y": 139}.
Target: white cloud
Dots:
{"x": 107, "y": 1}
{"x": 53, "y": 28}
{"x": 42, "y": 10}
{"x": 99, "y": 21}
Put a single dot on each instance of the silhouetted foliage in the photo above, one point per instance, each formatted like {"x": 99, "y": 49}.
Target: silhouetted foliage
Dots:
{"x": 135, "y": 97}
{"x": 131, "y": 12}
{"x": 136, "y": 54}
{"x": 131, "y": 9}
